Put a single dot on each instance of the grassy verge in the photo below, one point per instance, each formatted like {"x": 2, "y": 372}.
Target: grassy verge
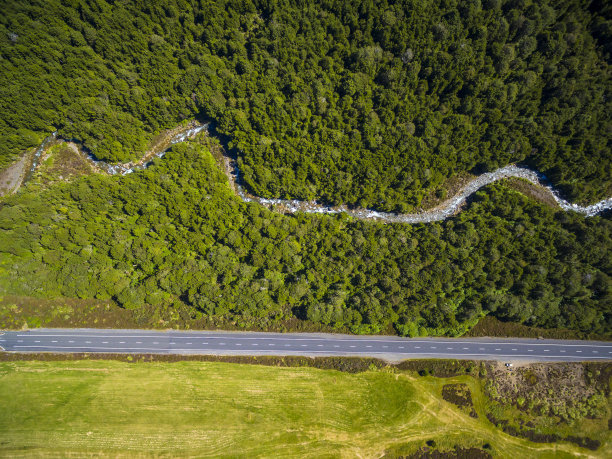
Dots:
{"x": 18, "y": 312}
{"x": 85, "y": 407}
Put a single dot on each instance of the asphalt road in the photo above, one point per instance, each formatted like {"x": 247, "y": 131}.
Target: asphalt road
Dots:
{"x": 305, "y": 344}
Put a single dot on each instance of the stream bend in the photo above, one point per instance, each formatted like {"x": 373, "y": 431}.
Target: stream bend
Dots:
{"x": 441, "y": 212}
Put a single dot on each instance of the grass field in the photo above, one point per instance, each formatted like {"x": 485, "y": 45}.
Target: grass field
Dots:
{"x": 63, "y": 409}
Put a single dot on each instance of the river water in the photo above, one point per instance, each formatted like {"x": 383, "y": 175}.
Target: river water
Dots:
{"x": 446, "y": 209}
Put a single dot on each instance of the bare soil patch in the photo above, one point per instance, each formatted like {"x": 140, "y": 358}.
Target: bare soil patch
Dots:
{"x": 11, "y": 177}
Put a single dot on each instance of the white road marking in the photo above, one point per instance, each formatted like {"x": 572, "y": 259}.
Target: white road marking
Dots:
{"x": 529, "y": 350}
{"x": 498, "y": 349}
{"x": 37, "y": 341}
{"x": 120, "y": 342}
{"x": 318, "y": 345}
{"x": 238, "y": 344}
{"x": 561, "y": 350}
{"x": 512, "y": 349}
{"x": 254, "y": 344}
{"x": 137, "y": 342}
{"x": 383, "y": 346}
{"x": 89, "y": 342}
{"x": 104, "y": 342}
{"x": 595, "y": 352}
{"x": 417, "y": 347}
{"x": 304, "y": 345}
{"x": 55, "y": 341}
{"x": 449, "y": 348}
{"x": 225, "y": 335}
{"x": 546, "y": 350}
{"x": 465, "y": 348}
{"x": 578, "y": 351}
{"x": 368, "y": 346}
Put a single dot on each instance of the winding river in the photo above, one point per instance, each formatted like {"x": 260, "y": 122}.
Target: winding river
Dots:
{"x": 444, "y": 210}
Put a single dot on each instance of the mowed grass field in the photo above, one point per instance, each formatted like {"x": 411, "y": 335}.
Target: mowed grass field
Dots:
{"x": 76, "y": 409}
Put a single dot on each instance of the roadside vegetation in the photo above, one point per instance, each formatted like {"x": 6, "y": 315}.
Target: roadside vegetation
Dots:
{"x": 58, "y": 407}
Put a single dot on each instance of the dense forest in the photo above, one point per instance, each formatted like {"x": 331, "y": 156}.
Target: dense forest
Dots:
{"x": 373, "y": 103}
{"x": 176, "y": 234}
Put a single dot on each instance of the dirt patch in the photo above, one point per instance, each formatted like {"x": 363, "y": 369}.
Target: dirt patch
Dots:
{"x": 459, "y": 395}
{"x": 11, "y": 177}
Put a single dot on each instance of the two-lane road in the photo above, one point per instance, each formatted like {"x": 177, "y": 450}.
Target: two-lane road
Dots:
{"x": 304, "y": 344}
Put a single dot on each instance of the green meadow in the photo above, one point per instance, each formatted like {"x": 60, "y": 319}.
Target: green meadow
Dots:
{"x": 187, "y": 409}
